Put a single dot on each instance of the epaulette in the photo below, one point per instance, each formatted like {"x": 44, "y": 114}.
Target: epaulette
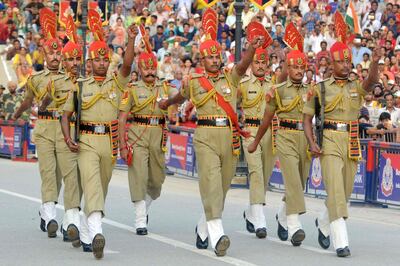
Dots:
{"x": 196, "y": 75}
{"x": 245, "y": 78}
{"x": 37, "y": 73}
{"x": 281, "y": 85}
{"x": 325, "y": 80}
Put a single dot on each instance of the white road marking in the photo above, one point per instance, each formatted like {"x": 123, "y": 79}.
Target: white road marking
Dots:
{"x": 287, "y": 243}
{"x": 5, "y": 68}
{"x": 159, "y": 238}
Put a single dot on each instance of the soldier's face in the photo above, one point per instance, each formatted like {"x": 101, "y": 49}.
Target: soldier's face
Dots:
{"x": 100, "y": 66}
{"x": 341, "y": 68}
{"x": 212, "y": 63}
{"x": 259, "y": 68}
{"x": 53, "y": 59}
{"x": 296, "y": 72}
{"x": 71, "y": 65}
{"x": 148, "y": 74}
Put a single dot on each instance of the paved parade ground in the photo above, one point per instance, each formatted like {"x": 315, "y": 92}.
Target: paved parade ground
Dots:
{"x": 374, "y": 233}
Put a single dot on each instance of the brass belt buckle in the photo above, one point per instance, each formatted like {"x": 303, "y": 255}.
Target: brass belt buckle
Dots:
{"x": 341, "y": 127}
{"x": 100, "y": 129}
{"x": 299, "y": 126}
{"x": 153, "y": 121}
{"x": 56, "y": 114}
{"x": 220, "y": 122}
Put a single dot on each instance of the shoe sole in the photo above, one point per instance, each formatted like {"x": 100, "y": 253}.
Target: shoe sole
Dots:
{"x": 298, "y": 238}
{"x": 98, "y": 246}
{"x": 222, "y": 247}
{"x": 73, "y": 235}
{"x": 52, "y": 230}
{"x": 261, "y": 234}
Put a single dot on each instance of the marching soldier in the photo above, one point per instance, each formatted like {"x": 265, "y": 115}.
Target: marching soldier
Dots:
{"x": 217, "y": 136}
{"x": 287, "y": 100}
{"x": 98, "y": 147}
{"x": 341, "y": 147}
{"x": 146, "y": 137}
{"x": 46, "y": 128}
{"x": 57, "y": 92}
{"x": 253, "y": 89}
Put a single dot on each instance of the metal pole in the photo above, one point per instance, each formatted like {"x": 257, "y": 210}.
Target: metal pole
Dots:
{"x": 239, "y": 6}
{"x": 84, "y": 29}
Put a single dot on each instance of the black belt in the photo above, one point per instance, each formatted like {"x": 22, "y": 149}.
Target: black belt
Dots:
{"x": 48, "y": 115}
{"x": 215, "y": 122}
{"x": 337, "y": 126}
{"x": 151, "y": 121}
{"x": 252, "y": 122}
{"x": 295, "y": 125}
{"x": 98, "y": 129}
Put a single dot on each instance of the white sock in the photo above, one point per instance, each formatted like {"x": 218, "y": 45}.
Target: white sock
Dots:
{"x": 94, "y": 224}
{"x": 202, "y": 230}
{"x": 323, "y": 222}
{"x": 293, "y": 224}
{"x": 48, "y": 211}
{"x": 339, "y": 234}
{"x": 215, "y": 231}
{"x": 148, "y": 201}
{"x": 84, "y": 230}
{"x": 140, "y": 210}
{"x": 255, "y": 214}
{"x": 282, "y": 215}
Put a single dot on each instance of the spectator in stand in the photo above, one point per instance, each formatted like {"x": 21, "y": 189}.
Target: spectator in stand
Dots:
{"x": 371, "y": 23}
{"x": 5, "y": 30}
{"x": 114, "y": 17}
{"x": 177, "y": 81}
{"x": 166, "y": 68}
{"x": 323, "y": 53}
{"x": 366, "y": 61}
{"x": 277, "y": 50}
{"x": 186, "y": 34}
{"x": 391, "y": 109}
{"x": 132, "y": 17}
{"x": 187, "y": 68}
{"x": 397, "y": 99}
{"x": 222, "y": 27}
{"x": 311, "y": 18}
{"x": 158, "y": 38}
{"x": 162, "y": 51}
{"x": 247, "y": 14}
{"x": 358, "y": 51}
{"x": 316, "y": 38}
{"x": 119, "y": 33}
{"x": 12, "y": 102}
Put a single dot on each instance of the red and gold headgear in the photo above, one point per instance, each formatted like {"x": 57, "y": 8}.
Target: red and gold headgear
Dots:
{"x": 209, "y": 46}
{"x": 295, "y": 57}
{"x": 261, "y": 54}
{"x": 98, "y": 48}
{"x": 48, "y": 23}
{"x": 71, "y": 49}
{"x": 340, "y": 51}
{"x": 147, "y": 59}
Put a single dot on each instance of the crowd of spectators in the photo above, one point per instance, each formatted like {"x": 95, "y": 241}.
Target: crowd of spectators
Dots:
{"x": 175, "y": 30}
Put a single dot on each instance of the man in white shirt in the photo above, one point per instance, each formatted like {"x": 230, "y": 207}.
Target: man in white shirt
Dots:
{"x": 393, "y": 111}
{"x": 117, "y": 14}
{"x": 316, "y": 38}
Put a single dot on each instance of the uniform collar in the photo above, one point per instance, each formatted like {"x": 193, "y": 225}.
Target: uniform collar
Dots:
{"x": 254, "y": 79}
{"x": 291, "y": 84}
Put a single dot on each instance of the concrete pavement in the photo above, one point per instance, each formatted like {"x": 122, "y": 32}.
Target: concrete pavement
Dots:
{"x": 374, "y": 233}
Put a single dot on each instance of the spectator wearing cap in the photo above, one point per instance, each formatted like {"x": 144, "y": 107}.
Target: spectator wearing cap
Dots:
{"x": 171, "y": 27}
{"x": 197, "y": 21}
{"x": 397, "y": 99}
{"x": 278, "y": 34}
{"x": 327, "y": 15}
{"x": 311, "y": 17}
{"x": 158, "y": 39}
{"x": 358, "y": 51}
{"x": 391, "y": 109}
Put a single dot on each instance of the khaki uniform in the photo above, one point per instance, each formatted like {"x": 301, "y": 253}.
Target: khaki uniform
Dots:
{"x": 261, "y": 162}
{"x": 291, "y": 144}
{"x": 100, "y": 106}
{"x": 46, "y": 133}
{"x": 58, "y": 89}
{"x": 147, "y": 172}
{"x": 213, "y": 145}
{"x": 338, "y": 169}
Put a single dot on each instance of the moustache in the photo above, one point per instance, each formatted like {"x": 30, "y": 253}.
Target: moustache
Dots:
{"x": 150, "y": 75}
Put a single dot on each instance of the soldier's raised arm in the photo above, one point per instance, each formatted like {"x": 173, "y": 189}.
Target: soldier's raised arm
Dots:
{"x": 130, "y": 51}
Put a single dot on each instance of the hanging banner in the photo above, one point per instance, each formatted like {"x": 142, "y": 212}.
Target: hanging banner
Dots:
{"x": 262, "y": 4}
{"x": 209, "y": 3}
{"x": 389, "y": 177}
